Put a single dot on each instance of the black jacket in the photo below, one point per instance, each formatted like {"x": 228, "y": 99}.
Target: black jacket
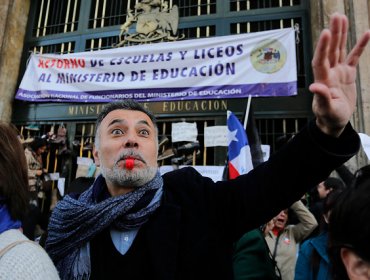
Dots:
{"x": 191, "y": 235}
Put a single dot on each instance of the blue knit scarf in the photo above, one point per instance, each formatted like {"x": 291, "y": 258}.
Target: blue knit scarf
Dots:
{"x": 73, "y": 223}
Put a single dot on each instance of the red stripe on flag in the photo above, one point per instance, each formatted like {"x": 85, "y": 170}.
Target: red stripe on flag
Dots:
{"x": 233, "y": 173}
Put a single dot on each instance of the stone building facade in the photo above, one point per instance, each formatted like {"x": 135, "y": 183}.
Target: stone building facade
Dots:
{"x": 13, "y": 26}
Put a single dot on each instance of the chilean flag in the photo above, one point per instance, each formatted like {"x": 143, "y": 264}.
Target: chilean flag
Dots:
{"x": 240, "y": 159}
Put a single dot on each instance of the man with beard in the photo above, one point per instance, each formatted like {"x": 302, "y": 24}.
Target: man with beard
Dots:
{"x": 135, "y": 224}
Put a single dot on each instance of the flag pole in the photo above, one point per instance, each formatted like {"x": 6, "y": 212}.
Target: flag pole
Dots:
{"x": 247, "y": 111}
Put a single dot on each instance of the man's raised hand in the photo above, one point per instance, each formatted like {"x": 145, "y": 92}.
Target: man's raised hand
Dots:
{"x": 334, "y": 72}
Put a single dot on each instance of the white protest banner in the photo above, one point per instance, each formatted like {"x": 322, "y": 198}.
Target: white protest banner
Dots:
{"x": 233, "y": 66}
{"x": 184, "y": 131}
{"x": 215, "y": 136}
{"x": 165, "y": 168}
{"x": 211, "y": 171}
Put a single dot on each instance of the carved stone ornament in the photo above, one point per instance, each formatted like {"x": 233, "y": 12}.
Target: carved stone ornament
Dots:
{"x": 154, "y": 22}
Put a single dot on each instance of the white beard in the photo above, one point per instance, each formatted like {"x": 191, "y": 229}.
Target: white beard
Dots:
{"x": 123, "y": 178}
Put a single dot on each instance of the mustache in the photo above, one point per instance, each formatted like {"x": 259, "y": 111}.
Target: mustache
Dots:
{"x": 130, "y": 154}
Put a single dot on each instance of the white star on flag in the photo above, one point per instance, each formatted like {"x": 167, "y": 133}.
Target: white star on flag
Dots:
{"x": 231, "y": 136}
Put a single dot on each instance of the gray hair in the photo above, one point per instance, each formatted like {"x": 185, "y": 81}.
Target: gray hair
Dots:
{"x": 128, "y": 104}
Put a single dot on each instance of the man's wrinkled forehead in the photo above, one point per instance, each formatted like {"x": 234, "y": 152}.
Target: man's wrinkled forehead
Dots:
{"x": 122, "y": 116}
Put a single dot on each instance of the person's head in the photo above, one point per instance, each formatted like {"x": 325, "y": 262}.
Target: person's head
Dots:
{"x": 126, "y": 131}
{"x": 13, "y": 173}
{"x": 349, "y": 230}
{"x": 328, "y": 204}
{"x": 328, "y": 185}
{"x": 39, "y": 145}
{"x": 281, "y": 220}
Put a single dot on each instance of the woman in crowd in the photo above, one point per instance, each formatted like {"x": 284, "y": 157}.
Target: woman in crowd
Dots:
{"x": 313, "y": 260}
{"x": 20, "y": 258}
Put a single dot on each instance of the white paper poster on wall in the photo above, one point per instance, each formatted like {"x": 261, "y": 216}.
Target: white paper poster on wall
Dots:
{"x": 61, "y": 185}
{"x": 184, "y": 131}
{"x": 215, "y": 136}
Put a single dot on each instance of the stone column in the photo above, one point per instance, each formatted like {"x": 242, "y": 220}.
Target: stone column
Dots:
{"x": 320, "y": 13}
{"x": 361, "y": 23}
{"x": 13, "y": 22}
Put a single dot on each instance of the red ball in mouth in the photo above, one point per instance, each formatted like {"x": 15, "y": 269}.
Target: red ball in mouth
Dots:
{"x": 129, "y": 163}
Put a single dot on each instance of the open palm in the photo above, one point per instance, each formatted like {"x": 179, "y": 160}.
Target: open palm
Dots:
{"x": 335, "y": 74}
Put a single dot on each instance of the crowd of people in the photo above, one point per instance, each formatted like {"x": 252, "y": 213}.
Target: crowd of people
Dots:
{"x": 133, "y": 223}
